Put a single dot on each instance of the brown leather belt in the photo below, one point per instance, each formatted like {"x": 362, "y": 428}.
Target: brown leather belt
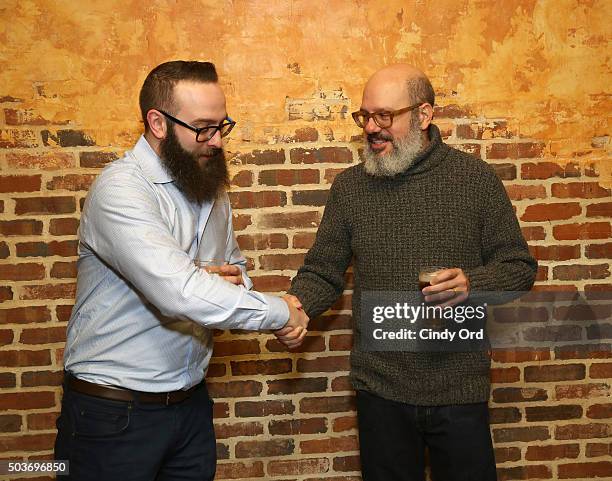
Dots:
{"x": 120, "y": 394}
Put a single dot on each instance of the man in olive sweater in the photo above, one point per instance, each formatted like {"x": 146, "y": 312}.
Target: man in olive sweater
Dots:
{"x": 415, "y": 201}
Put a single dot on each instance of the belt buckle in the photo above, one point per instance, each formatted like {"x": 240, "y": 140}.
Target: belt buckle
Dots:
{"x": 167, "y": 399}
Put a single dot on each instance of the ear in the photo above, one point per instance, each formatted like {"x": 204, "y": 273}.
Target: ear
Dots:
{"x": 157, "y": 124}
{"x": 426, "y": 113}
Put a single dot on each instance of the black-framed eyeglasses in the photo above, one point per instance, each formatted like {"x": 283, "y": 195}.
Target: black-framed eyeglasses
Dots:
{"x": 204, "y": 134}
{"x": 383, "y": 119}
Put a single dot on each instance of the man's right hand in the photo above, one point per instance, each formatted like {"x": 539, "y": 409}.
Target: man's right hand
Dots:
{"x": 293, "y": 333}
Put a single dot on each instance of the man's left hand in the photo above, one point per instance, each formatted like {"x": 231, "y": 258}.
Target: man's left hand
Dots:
{"x": 449, "y": 287}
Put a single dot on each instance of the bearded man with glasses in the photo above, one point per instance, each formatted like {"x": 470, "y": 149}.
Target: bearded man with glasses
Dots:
{"x": 414, "y": 202}
{"x": 135, "y": 404}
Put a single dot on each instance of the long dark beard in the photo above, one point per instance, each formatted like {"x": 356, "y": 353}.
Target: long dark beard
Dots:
{"x": 199, "y": 184}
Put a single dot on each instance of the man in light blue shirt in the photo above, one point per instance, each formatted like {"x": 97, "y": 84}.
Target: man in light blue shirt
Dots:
{"x": 139, "y": 339}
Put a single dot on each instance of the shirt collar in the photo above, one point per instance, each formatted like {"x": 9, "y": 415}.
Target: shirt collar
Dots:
{"x": 150, "y": 163}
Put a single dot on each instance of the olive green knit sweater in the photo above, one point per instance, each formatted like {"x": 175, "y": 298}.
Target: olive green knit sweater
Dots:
{"x": 447, "y": 209}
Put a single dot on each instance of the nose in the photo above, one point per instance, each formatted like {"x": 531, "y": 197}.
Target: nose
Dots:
{"x": 371, "y": 127}
{"x": 215, "y": 140}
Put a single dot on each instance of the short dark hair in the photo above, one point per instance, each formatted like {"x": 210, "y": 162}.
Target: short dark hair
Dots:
{"x": 157, "y": 91}
{"x": 420, "y": 90}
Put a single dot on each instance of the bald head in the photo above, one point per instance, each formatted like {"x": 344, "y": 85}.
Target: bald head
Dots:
{"x": 401, "y": 82}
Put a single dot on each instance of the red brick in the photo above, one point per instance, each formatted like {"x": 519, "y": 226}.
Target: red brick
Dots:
{"x": 505, "y": 374}
{"x": 96, "y": 159}
{"x": 64, "y": 270}
{"x": 512, "y": 435}
{"x": 224, "y": 431}
{"x": 263, "y": 408}
{"x": 601, "y": 469}
{"x": 347, "y": 463}
{"x": 20, "y": 183}
{"x": 45, "y": 205}
{"x": 7, "y": 380}
{"x": 216, "y": 370}
{"x": 291, "y": 427}
{"x": 24, "y": 358}
{"x": 548, "y": 212}
{"x": 344, "y": 423}
{"x": 261, "y": 157}
{"x": 262, "y": 241}
{"x": 330, "y": 404}
{"x": 533, "y": 233}
{"x": 603, "y": 209}
{"x": 72, "y": 182}
{"x": 220, "y": 410}
{"x": 10, "y": 423}
{"x": 298, "y": 467}
{"x": 234, "y": 389}
{"x": 579, "y": 272}
{"x": 44, "y": 160}
{"x": 27, "y": 400}
{"x": 306, "y": 134}
{"x": 27, "y": 442}
{"x": 310, "y": 197}
{"x": 519, "y": 355}
{"x": 271, "y": 283}
{"x": 600, "y": 370}
{"x": 273, "y": 262}
{"x": 42, "y": 378}
{"x": 504, "y": 415}
{"x": 524, "y": 473}
{"x": 329, "y": 445}
{"x": 25, "y": 315}
{"x": 517, "y": 394}
{"x": 520, "y": 192}
{"x": 259, "y": 449}
{"x": 16, "y": 139}
{"x": 49, "y": 291}
{"x": 599, "y": 251}
{"x": 6, "y": 336}
{"x": 63, "y": 313}
{"x": 552, "y": 452}
{"x": 297, "y": 385}
{"x": 304, "y": 240}
{"x": 586, "y": 190}
{"x": 582, "y": 312}
{"x": 66, "y": 226}
{"x": 546, "y": 170}
{"x": 559, "y": 372}
{"x": 552, "y": 413}
{"x": 583, "y": 431}
{"x": 253, "y": 469}
{"x": 6, "y": 293}
{"x": 24, "y": 117}
{"x": 555, "y": 253}
{"x": 331, "y": 322}
{"x": 4, "y": 250}
{"x": 599, "y": 411}
{"x": 577, "y": 391}
{"x": 43, "y": 249}
{"x": 256, "y": 368}
{"x": 594, "y": 450}
{"x": 341, "y": 383}
{"x": 289, "y": 177}
{"x": 42, "y": 421}
{"x": 249, "y": 200}
{"x": 451, "y": 111}
{"x": 236, "y": 347}
{"x": 553, "y": 334}
{"x": 505, "y": 455}
{"x": 523, "y": 150}
{"x": 589, "y": 230}
{"x": 290, "y": 221}
{"x": 324, "y": 364}
{"x": 67, "y": 138}
{"x": 330, "y": 174}
{"x": 44, "y": 335}
{"x": 341, "y": 342}
{"x": 22, "y": 272}
{"x": 503, "y": 171}
{"x": 321, "y": 155}
{"x": 244, "y": 178}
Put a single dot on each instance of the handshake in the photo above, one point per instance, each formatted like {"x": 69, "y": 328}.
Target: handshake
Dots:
{"x": 293, "y": 333}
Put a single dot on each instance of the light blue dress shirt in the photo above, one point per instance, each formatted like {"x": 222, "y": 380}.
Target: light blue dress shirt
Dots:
{"x": 144, "y": 312}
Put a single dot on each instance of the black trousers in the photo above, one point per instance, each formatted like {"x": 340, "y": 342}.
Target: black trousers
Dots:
{"x": 108, "y": 440}
{"x": 393, "y": 437}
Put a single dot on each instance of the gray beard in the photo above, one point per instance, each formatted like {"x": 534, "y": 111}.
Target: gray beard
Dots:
{"x": 399, "y": 160}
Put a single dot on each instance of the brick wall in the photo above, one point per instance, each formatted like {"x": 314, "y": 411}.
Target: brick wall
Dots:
{"x": 68, "y": 107}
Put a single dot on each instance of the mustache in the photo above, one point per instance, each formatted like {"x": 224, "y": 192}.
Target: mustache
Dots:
{"x": 379, "y": 136}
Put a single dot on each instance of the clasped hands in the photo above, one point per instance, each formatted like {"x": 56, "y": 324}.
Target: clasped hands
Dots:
{"x": 449, "y": 287}
{"x": 293, "y": 333}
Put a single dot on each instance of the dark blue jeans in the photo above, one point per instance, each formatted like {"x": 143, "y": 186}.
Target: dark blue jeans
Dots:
{"x": 108, "y": 440}
{"x": 393, "y": 437}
